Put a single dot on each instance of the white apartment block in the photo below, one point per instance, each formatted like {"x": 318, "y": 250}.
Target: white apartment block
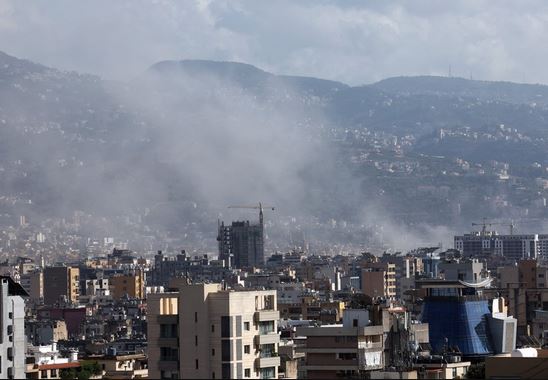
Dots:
{"x": 12, "y": 329}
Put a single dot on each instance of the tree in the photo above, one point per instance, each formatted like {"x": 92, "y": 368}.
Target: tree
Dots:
{"x": 360, "y": 301}
{"x": 476, "y": 371}
{"x": 87, "y": 369}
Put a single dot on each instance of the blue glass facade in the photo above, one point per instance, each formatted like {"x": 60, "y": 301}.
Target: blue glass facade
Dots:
{"x": 462, "y": 322}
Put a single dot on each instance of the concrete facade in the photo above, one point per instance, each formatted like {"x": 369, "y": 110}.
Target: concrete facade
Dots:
{"x": 12, "y": 329}
{"x": 132, "y": 285}
{"x": 347, "y": 350}
{"x": 379, "y": 280}
{"x": 61, "y": 283}
{"x": 227, "y": 334}
{"x": 33, "y": 283}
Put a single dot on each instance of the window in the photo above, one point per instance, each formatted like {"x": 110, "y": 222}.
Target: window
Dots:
{"x": 225, "y": 327}
{"x": 246, "y": 326}
{"x": 355, "y": 323}
{"x": 247, "y": 349}
{"x": 212, "y": 352}
{"x": 268, "y": 373}
{"x": 347, "y": 356}
{"x": 267, "y": 350}
{"x": 226, "y": 354}
{"x": 168, "y": 331}
{"x": 197, "y": 366}
{"x": 266, "y": 327}
{"x": 195, "y": 340}
{"x": 225, "y": 367}
{"x": 44, "y": 374}
{"x": 169, "y": 354}
{"x": 212, "y": 375}
{"x": 196, "y": 317}
{"x": 212, "y": 328}
{"x": 247, "y": 372}
{"x": 53, "y": 373}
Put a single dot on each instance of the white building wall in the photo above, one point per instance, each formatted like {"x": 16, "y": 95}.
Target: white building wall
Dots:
{"x": 12, "y": 334}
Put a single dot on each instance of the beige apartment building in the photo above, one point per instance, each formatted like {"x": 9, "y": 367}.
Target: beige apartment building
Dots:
{"x": 131, "y": 285}
{"x": 61, "y": 283}
{"x": 203, "y": 331}
{"x": 350, "y": 349}
{"x": 379, "y": 280}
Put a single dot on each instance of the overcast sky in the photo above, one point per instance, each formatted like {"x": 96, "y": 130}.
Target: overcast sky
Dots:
{"x": 352, "y": 41}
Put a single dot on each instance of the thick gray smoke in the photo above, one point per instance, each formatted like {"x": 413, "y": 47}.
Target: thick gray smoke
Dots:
{"x": 173, "y": 148}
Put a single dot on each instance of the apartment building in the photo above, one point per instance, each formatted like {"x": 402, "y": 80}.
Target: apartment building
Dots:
{"x": 379, "y": 279}
{"x": 12, "y": 332}
{"x": 227, "y": 334}
{"x": 33, "y": 283}
{"x": 489, "y": 243}
{"x": 407, "y": 267}
{"x": 349, "y": 349}
{"x": 130, "y": 285}
{"x": 61, "y": 284}
{"x": 163, "y": 335}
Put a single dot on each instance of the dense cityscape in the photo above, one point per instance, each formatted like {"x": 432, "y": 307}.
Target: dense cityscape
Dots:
{"x": 247, "y": 189}
{"x": 475, "y": 310}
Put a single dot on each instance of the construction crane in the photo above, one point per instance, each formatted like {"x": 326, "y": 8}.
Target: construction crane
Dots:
{"x": 485, "y": 224}
{"x": 260, "y": 207}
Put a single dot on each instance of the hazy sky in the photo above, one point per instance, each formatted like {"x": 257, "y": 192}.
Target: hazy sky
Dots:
{"x": 352, "y": 41}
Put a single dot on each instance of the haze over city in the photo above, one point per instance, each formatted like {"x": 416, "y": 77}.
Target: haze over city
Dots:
{"x": 255, "y": 189}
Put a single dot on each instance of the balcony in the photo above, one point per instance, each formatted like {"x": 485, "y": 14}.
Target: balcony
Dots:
{"x": 171, "y": 365}
{"x": 268, "y": 338}
{"x": 267, "y": 315}
{"x": 273, "y": 361}
{"x": 168, "y": 342}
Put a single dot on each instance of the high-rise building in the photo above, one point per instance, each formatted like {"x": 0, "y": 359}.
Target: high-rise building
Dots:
{"x": 489, "y": 243}
{"x": 206, "y": 332}
{"x": 61, "y": 284}
{"x": 12, "y": 332}
{"x": 242, "y": 243}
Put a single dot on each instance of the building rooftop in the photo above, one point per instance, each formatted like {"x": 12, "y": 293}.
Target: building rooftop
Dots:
{"x": 14, "y": 288}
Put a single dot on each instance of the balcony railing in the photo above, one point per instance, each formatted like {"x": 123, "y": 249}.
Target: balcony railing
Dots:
{"x": 267, "y": 338}
{"x": 273, "y": 361}
{"x": 267, "y": 315}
